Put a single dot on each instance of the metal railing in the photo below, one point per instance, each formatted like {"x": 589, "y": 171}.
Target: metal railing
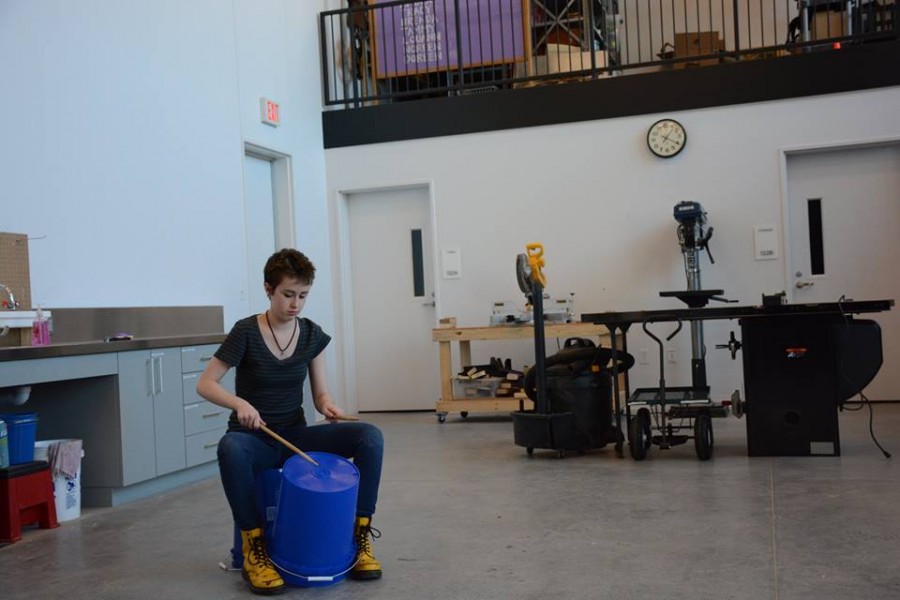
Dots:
{"x": 377, "y": 51}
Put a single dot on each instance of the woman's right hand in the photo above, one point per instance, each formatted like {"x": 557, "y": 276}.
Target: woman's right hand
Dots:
{"x": 248, "y": 416}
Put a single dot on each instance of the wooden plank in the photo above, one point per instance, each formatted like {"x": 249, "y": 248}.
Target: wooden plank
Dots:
{"x": 516, "y": 332}
{"x": 446, "y": 371}
{"x": 483, "y": 405}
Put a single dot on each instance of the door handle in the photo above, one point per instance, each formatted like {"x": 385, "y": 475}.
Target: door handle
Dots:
{"x": 804, "y": 284}
{"x": 152, "y": 376}
{"x": 432, "y": 303}
{"x": 161, "y": 389}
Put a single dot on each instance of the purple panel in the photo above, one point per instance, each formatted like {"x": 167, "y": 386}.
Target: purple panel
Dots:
{"x": 420, "y": 37}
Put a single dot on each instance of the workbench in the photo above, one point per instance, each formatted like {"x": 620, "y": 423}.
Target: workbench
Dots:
{"x": 445, "y": 336}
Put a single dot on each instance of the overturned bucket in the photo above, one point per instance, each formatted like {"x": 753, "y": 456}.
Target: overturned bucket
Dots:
{"x": 312, "y": 538}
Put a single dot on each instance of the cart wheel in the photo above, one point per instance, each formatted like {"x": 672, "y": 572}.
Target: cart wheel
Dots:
{"x": 644, "y": 415}
{"x": 464, "y": 414}
{"x": 636, "y": 438}
{"x": 561, "y": 453}
{"x": 441, "y": 417}
{"x": 703, "y": 436}
{"x": 529, "y": 451}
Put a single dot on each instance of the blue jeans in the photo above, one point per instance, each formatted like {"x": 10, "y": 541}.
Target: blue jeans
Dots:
{"x": 243, "y": 454}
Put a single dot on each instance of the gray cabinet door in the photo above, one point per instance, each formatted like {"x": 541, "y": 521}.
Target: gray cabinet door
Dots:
{"x": 136, "y": 416}
{"x": 168, "y": 410}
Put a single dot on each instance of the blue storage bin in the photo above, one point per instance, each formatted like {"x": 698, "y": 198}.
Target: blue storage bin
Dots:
{"x": 21, "y": 431}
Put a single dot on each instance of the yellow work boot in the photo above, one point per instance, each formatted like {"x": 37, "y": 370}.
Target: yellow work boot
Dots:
{"x": 258, "y": 569}
{"x": 366, "y": 567}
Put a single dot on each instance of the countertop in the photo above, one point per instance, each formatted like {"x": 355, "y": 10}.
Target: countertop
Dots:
{"x": 101, "y": 347}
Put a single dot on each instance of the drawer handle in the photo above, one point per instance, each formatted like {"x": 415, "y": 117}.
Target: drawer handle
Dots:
{"x": 208, "y": 446}
{"x": 210, "y": 415}
{"x": 205, "y": 358}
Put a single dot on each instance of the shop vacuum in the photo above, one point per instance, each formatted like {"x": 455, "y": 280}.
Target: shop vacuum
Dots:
{"x": 571, "y": 390}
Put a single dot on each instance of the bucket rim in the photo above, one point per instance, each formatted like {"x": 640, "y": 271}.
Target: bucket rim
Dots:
{"x": 18, "y": 417}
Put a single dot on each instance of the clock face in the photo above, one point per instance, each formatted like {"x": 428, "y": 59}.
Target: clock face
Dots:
{"x": 666, "y": 138}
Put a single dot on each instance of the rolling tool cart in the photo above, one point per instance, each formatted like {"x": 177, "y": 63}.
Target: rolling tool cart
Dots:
{"x": 676, "y": 414}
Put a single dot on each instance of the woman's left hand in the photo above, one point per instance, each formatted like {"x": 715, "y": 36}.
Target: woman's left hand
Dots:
{"x": 331, "y": 412}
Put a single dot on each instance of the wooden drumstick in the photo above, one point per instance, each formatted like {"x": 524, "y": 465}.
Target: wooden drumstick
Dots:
{"x": 288, "y": 444}
{"x": 343, "y": 418}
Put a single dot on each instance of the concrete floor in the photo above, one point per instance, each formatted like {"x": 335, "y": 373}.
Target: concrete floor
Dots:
{"x": 466, "y": 514}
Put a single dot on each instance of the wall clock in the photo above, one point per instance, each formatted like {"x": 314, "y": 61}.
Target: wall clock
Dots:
{"x": 666, "y": 138}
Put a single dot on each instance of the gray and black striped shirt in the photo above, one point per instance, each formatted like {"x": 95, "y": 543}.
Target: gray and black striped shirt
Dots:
{"x": 274, "y": 387}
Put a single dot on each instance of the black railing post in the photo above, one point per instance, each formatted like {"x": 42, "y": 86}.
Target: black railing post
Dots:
{"x": 459, "y": 60}
{"x": 323, "y": 41}
{"x": 737, "y": 30}
{"x": 350, "y": 28}
{"x": 590, "y": 41}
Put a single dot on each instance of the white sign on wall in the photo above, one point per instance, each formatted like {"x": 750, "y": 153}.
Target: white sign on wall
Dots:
{"x": 765, "y": 242}
{"x": 451, "y": 262}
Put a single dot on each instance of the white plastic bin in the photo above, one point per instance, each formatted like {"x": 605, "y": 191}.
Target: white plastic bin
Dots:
{"x": 66, "y": 491}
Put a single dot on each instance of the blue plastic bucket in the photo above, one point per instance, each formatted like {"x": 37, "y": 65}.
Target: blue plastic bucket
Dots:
{"x": 21, "y": 435}
{"x": 312, "y": 540}
{"x": 267, "y": 484}
{"x": 4, "y": 446}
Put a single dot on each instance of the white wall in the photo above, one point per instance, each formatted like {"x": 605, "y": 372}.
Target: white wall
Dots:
{"x": 602, "y": 206}
{"x": 123, "y": 127}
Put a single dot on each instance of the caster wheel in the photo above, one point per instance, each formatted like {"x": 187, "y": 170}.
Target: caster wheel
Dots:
{"x": 561, "y": 453}
{"x": 703, "y": 437}
{"x": 464, "y": 414}
{"x": 441, "y": 417}
{"x": 644, "y": 415}
{"x": 638, "y": 437}
{"x": 529, "y": 451}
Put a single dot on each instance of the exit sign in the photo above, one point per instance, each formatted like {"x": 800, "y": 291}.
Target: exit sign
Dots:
{"x": 270, "y": 112}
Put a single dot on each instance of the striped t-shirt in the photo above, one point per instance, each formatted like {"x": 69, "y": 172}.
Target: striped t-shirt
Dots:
{"x": 274, "y": 387}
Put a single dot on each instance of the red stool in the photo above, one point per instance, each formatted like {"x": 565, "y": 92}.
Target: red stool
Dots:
{"x": 26, "y": 497}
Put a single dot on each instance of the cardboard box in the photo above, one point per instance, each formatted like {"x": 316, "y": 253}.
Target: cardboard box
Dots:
{"x": 826, "y": 25}
{"x": 698, "y": 43}
{"x": 567, "y": 59}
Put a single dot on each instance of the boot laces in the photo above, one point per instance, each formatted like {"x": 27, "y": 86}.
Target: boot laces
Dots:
{"x": 258, "y": 551}
{"x": 363, "y": 541}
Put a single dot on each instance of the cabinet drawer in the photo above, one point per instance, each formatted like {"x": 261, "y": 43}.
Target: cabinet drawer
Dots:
{"x": 189, "y": 386}
{"x": 204, "y": 416}
{"x": 195, "y": 358}
{"x": 201, "y": 448}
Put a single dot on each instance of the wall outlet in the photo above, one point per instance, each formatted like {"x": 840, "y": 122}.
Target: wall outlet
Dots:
{"x": 670, "y": 355}
{"x": 643, "y": 356}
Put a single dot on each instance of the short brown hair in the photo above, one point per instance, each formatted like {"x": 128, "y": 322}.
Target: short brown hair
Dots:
{"x": 288, "y": 262}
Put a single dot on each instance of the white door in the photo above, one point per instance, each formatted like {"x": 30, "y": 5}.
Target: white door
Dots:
{"x": 844, "y": 234}
{"x": 392, "y": 282}
{"x": 259, "y": 225}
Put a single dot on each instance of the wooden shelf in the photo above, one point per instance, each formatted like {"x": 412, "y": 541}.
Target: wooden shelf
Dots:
{"x": 445, "y": 336}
